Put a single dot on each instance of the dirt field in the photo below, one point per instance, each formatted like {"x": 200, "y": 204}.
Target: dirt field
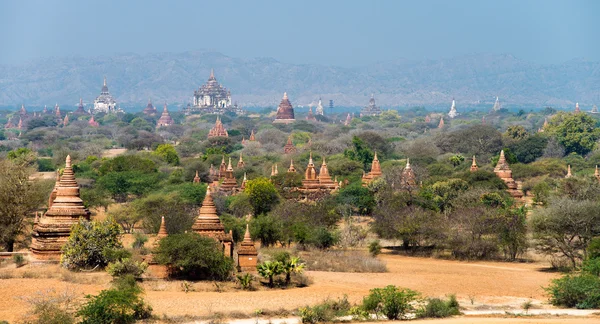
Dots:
{"x": 478, "y": 285}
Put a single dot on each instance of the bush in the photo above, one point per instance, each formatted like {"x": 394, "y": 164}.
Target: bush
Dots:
{"x": 90, "y": 244}
{"x": 126, "y": 267}
{"x": 50, "y": 307}
{"x": 374, "y": 248}
{"x": 580, "y": 291}
{"x": 19, "y": 260}
{"x": 193, "y": 256}
{"x": 139, "y": 240}
{"x": 390, "y": 301}
{"x": 245, "y": 280}
{"x": 323, "y": 239}
{"x": 269, "y": 270}
{"x": 326, "y": 312}
{"x": 121, "y": 304}
{"x": 437, "y": 308}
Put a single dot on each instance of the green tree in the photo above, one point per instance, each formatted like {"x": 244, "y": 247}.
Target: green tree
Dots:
{"x": 167, "y": 153}
{"x": 193, "y": 256}
{"x": 456, "y": 159}
{"x": 179, "y": 215}
{"x": 360, "y": 152}
{"x": 391, "y": 301}
{"x": 360, "y": 198}
{"x": 90, "y": 244}
{"x": 263, "y": 195}
{"x": 267, "y": 229}
{"x": 270, "y": 269}
{"x": 516, "y": 132}
{"x": 19, "y": 198}
{"x": 577, "y": 133}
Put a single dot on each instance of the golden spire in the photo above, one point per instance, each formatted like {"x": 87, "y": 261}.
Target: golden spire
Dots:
{"x": 291, "y": 168}
{"x": 474, "y": 166}
{"x": 229, "y": 167}
{"x": 162, "y": 231}
{"x": 568, "y": 172}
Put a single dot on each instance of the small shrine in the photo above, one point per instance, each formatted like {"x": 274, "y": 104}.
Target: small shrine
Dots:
{"x": 229, "y": 183}
{"x": 289, "y": 147}
{"x": 474, "y": 166}
{"x": 247, "y": 254}
{"x": 165, "y": 119}
{"x": 504, "y": 172}
{"x": 218, "y": 130}
{"x": 374, "y": 173}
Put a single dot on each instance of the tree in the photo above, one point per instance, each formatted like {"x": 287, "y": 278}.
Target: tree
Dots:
{"x": 126, "y": 217}
{"x": 167, "y": 153}
{"x": 179, "y": 214}
{"x": 530, "y": 148}
{"x": 516, "y": 132}
{"x": 566, "y": 227}
{"x": 19, "y": 198}
{"x": 121, "y": 184}
{"x": 513, "y": 232}
{"x": 456, "y": 159}
{"x": 360, "y": 152}
{"x": 270, "y": 269}
{"x": 290, "y": 266}
{"x": 263, "y": 195}
{"x": 390, "y": 301}
{"x": 193, "y": 256}
{"x": 360, "y": 198}
{"x": 577, "y": 133}
{"x": 267, "y": 229}
{"x": 90, "y": 244}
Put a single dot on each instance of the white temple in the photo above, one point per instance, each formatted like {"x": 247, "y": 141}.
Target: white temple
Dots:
{"x": 496, "y": 105}
{"x": 105, "y": 102}
{"x": 319, "y": 110}
{"x": 453, "y": 113}
{"x": 212, "y": 95}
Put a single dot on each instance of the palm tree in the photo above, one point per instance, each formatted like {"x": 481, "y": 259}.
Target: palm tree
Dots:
{"x": 270, "y": 269}
{"x": 290, "y": 266}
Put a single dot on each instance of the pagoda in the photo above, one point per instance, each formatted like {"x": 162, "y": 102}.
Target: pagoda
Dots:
{"x": 247, "y": 254}
{"x": 427, "y": 119}
{"x": 274, "y": 170}
{"x": 569, "y": 175}
{"x": 80, "y": 108}
{"x": 57, "y": 111}
{"x": 371, "y": 109}
{"x": 289, "y": 147}
{"x": 65, "y": 121}
{"x": 577, "y": 110}
{"x": 374, "y": 173}
{"x": 244, "y": 181}
{"x": 165, "y": 119}
{"x": 105, "y": 102}
{"x": 150, "y": 110}
{"x": 325, "y": 181}
{"x": 597, "y": 173}
{"x": 23, "y": 112}
{"x": 504, "y": 172}
{"x": 196, "y": 178}
{"x": 594, "y": 109}
{"x": 453, "y": 113}
{"x": 229, "y": 183}
{"x": 474, "y": 166}
{"x": 285, "y": 111}
{"x": 241, "y": 163}
{"x": 319, "y": 110}
{"x": 252, "y": 136}
{"x": 348, "y": 120}
{"x": 408, "y": 178}
{"x": 92, "y": 122}
{"x": 208, "y": 224}
{"x": 310, "y": 181}
{"x": 291, "y": 169}
{"x": 219, "y": 130}
{"x": 222, "y": 168}
{"x": 54, "y": 227}
{"x": 156, "y": 270}
{"x": 310, "y": 116}
{"x": 211, "y": 96}
{"x": 496, "y": 106}
{"x": 441, "y": 124}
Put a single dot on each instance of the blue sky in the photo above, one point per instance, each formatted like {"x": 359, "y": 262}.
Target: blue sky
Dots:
{"x": 344, "y": 33}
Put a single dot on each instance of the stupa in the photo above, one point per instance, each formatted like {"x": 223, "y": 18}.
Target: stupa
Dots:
{"x": 219, "y": 130}
{"x": 212, "y": 96}
{"x": 496, "y": 105}
{"x": 208, "y": 224}
{"x": 150, "y": 110}
{"x": 244, "y": 181}
{"x": 569, "y": 175}
{"x": 408, "y": 178}
{"x": 162, "y": 230}
{"x": 105, "y": 102}
{"x": 53, "y": 229}
{"x": 274, "y": 170}
{"x": 453, "y": 113}
{"x": 65, "y": 121}
{"x": 441, "y": 124}
{"x": 348, "y": 120}
{"x": 229, "y": 183}
{"x": 222, "y": 168}
{"x": 474, "y": 166}
{"x": 374, "y": 173}
{"x": 319, "y": 110}
{"x": 285, "y": 111}
{"x": 310, "y": 180}
{"x": 23, "y": 112}
{"x": 372, "y": 109}
{"x": 325, "y": 181}
{"x": 241, "y": 163}
{"x": 289, "y": 147}
{"x": 577, "y": 110}
{"x": 504, "y": 172}
{"x": 310, "y": 116}
{"x": 196, "y": 178}
{"x": 165, "y": 119}
{"x": 247, "y": 254}
{"x": 156, "y": 270}
{"x": 291, "y": 168}
{"x": 594, "y": 109}
{"x": 80, "y": 108}
{"x": 92, "y": 122}
{"x": 252, "y": 136}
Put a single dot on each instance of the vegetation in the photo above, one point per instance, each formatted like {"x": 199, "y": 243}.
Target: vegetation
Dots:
{"x": 392, "y": 302}
{"x": 92, "y": 245}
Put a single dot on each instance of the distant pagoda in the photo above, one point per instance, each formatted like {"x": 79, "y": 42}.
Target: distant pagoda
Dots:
{"x": 285, "y": 111}
{"x": 319, "y": 110}
{"x": 229, "y": 183}
{"x": 241, "y": 163}
{"x": 577, "y": 110}
{"x": 212, "y": 97}
{"x": 92, "y": 122}
{"x": 372, "y": 109}
{"x": 310, "y": 116}
{"x": 289, "y": 147}
{"x": 165, "y": 119}
{"x": 408, "y": 177}
{"x": 150, "y": 110}
{"x": 453, "y": 113}
{"x": 594, "y": 109}
{"x": 504, "y": 172}
{"x": 208, "y": 224}
{"x": 474, "y": 166}
{"x": 314, "y": 182}
{"x": 80, "y": 108}
{"x": 374, "y": 173}
{"x": 219, "y": 130}
{"x": 496, "y": 105}
{"x": 105, "y": 102}
{"x": 247, "y": 254}
{"x": 52, "y": 230}
{"x": 348, "y": 120}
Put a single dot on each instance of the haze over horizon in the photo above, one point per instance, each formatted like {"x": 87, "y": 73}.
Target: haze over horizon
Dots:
{"x": 339, "y": 33}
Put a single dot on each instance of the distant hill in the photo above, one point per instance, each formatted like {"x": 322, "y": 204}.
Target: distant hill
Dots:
{"x": 172, "y": 77}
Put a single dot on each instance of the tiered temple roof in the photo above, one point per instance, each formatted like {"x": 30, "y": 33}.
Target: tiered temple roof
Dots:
{"x": 162, "y": 230}
{"x": 53, "y": 229}
{"x": 292, "y": 168}
{"x": 325, "y": 181}
{"x": 211, "y": 95}
{"x": 222, "y": 168}
{"x": 252, "y": 136}
{"x": 80, "y": 108}
{"x": 289, "y": 146}
{"x": 371, "y": 109}
{"x": 375, "y": 171}
{"x": 150, "y": 110}
{"x": 105, "y": 102}
{"x": 315, "y": 182}
{"x": 285, "y": 111}
{"x": 92, "y": 122}
{"x": 219, "y": 130}
{"x": 165, "y": 119}
{"x": 241, "y": 162}
{"x": 208, "y": 224}
{"x": 504, "y": 172}
{"x": 229, "y": 183}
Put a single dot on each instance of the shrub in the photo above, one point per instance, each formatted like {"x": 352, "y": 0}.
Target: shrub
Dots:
{"x": 18, "y": 259}
{"x": 343, "y": 261}
{"x": 374, "y": 248}
{"x": 245, "y": 280}
{"x": 292, "y": 266}
{"x": 193, "y": 256}
{"x": 580, "y": 291}
{"x": 121, "y": 304}
{"x": 325, "y": 312}
{"x": 139, "y": 240}
{"x": 50, "y": 307}
{"x": 390, "y": 301}
{"x": 270, "y": 269}
{"x": 323, "y": 239}
{"x": 90, "y": 243}
{"x": 126, "y": 267}
{"x": 438, "y": 308}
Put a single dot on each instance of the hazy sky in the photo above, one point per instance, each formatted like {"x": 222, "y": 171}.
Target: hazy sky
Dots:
{"x": 346, "y": 33}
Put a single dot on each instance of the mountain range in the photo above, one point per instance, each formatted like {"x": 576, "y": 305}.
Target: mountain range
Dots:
{"x": 172, "y": 77}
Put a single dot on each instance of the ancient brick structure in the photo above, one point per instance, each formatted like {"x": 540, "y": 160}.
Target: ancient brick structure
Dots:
{"x": 247, "y": 254}
{"x": 474, "y": 166}
{"x": 219, "y": 130}
{"x": 165, "y": 119}
{"x": 208, "y": 224}
{"x": 289, "y": 147}
{"x": 285, "y": 111}
{"x": 196, "y": 178}
{"x": 229, "y": 183}
{"x": 150, "y": 110}
{"x": 241, "y": 163}
{"x": 504, "y": 172}
{"x": 54, "y": 227}
{"x": 374, "y": 173}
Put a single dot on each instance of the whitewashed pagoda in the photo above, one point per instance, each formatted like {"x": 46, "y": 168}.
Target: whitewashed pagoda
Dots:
{"x": 105, "y": 102}
{"x": 453, "y": 113}
{"x": 496, "y": 105}
{"x": 319, "y": 110}
{"x": 211, "y": 97}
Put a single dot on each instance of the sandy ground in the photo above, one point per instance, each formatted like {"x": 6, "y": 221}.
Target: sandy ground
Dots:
{"x": 111, "y": 153}
{"x": 478, "y": 285}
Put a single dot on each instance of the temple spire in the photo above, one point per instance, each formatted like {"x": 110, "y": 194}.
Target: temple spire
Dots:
{"x": 474, "y": 166}
{"x": 162, "y": 231}
{"x": 197, "y": 178}
{"x": 569, "y": 172}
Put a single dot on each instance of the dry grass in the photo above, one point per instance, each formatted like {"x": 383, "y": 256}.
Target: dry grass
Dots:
{"x": 343, "y": 261}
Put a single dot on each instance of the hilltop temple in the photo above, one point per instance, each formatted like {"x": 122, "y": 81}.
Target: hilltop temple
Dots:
{"x": 165, "y": 119}
{"x": 211, "y": 97}
{"x": 105, "y": 102}
{"x": 504, "y": 172}
{"x": 52, "y": 230}
{"x": 219, "y": 130}
{"x": 285, "y": 111}
{"x": 371, "y": 109}
{"x": 208, "y": 224}
{"x": 374, "y": 173}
